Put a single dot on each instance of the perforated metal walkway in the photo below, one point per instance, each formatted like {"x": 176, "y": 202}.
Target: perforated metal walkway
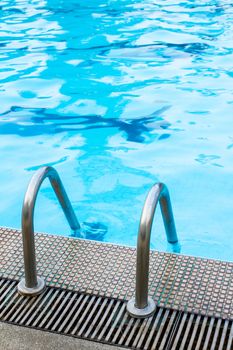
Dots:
{"x": 196, "y": 285}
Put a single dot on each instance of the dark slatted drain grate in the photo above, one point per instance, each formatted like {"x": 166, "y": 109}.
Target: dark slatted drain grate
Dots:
{"x": 105, "y": 320}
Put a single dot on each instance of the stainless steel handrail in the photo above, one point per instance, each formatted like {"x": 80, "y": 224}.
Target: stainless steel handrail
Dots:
{"x": 142, "y": 305}
{"x": 32, "y": 284}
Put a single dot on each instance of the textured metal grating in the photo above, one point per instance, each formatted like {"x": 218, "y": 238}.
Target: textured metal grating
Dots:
{"x": 179, "y": 282}
{"x": 105, "y": 320}
{"x": 202, "y": 332}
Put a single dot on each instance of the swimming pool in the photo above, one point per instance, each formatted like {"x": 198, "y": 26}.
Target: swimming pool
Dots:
{"x": 117, "y": 95}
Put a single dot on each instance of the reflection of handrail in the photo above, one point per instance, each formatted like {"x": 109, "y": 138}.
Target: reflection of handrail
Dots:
{"x": 32, "y": 284}
{"x": 142, "y": 305}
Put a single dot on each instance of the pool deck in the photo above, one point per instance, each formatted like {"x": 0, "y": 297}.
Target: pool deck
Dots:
{"x": 178, "y": 282}
{"x": 21, "y": 338}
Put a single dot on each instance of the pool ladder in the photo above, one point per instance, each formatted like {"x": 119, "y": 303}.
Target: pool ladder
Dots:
{"x": 142, "y": 305}
{"x": 32, "y": 284}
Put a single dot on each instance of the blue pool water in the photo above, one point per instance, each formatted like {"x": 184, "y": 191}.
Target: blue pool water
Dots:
{"x": 117, "y": 95}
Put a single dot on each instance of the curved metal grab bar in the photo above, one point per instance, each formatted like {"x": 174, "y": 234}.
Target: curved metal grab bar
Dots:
{"x": 32, "y": 284}
{"x": 141, "y": 305}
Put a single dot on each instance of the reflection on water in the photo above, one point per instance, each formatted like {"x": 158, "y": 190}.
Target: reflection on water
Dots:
{"x": 93, "y": 230}
{"x": 118, "y": 95}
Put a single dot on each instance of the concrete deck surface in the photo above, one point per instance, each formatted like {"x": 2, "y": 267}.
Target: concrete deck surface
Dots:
{"x": 21, "y": 338}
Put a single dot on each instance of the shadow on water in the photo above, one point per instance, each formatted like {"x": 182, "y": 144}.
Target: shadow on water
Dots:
{"x": 42, "y": 122}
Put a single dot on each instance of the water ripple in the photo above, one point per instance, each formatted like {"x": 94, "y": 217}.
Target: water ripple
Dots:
{"x": 118, "y": 95}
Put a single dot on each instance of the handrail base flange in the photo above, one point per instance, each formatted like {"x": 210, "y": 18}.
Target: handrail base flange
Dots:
{"x": 40, "y": 287}
{"x": 141, "y": 313}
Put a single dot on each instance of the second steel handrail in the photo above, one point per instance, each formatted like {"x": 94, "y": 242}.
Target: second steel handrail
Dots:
{"x": 142, "y": 305}
{"x": 32, "y": 284}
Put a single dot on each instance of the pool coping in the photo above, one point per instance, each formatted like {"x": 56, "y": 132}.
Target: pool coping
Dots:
{"x": 179, "y": 282}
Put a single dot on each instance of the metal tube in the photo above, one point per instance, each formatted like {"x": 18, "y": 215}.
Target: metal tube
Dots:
{"x": 142, "y": 306}
{"x": 31, "y": 283}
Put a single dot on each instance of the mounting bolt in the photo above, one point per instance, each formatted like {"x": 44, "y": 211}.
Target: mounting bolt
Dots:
{"x": 147, "y": 311}
{"x": 38, "y": 289}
